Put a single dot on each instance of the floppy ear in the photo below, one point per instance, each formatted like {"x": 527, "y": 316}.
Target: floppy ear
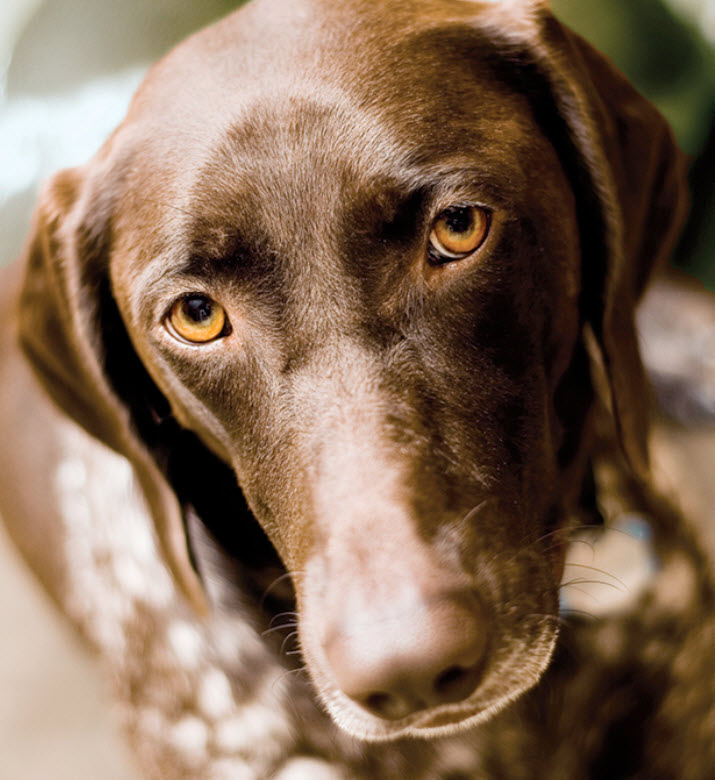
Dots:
{"x": 629, "y": 180}
{"x": 62, "y": 311}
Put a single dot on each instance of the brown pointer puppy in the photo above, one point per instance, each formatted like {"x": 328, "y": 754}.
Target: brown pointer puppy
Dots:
{"x": 336, "y": 264}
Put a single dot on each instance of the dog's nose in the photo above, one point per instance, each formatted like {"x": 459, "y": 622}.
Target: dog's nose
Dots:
{"x": 395, "y": 662}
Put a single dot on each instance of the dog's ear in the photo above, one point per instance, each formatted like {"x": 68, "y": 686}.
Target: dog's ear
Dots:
{"x": 629, "y": 180}
{"x": 65, "y": 310}
{"x": 639, "y": 179}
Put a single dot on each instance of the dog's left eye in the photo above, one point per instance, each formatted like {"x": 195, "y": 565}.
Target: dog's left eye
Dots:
{"x": 457, "y": 232}
{"x": 197, "y": 319}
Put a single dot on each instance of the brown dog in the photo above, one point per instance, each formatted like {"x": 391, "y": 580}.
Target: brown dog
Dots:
{"x": 319, "y": 303}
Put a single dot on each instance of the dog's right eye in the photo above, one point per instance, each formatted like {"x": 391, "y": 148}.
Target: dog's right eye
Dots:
{"x": 457, "y": 232}
{"x": 197, "y": 319}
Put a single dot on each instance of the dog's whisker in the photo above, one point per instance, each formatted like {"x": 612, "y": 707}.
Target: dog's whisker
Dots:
{"x": 281, "y": 627}
{"x": 299, "y": 675}
{"x": 529, "y": 546}
{"x": 291, "y": 575}
{"x": 551, "y": 547}
{"x": 586, "y": 581}
{"x": 566, "y": 530}
{"x": 567, "y": 612}
{"x": 289, "y": 616}
{"x": 600, "y": 571}
{"x": 471, "y": 514}
{"x": 288, "y": 638}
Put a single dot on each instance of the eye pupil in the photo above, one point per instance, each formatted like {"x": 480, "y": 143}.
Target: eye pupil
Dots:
{"x": 459, "y": 219}
{"x": 198, "y": 309}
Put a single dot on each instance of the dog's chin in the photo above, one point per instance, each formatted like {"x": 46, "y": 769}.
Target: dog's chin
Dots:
{"x": 443, "y": 721}
{"x": 429, "y": 725}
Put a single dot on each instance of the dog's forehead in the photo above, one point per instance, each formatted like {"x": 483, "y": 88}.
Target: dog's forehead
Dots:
{"x": 294, "y": 111}
{"x": 409, "y": 56}
{"x": 290, "y": 127}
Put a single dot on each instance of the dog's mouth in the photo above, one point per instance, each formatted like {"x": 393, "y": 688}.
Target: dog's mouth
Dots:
{"x": 445, "y": 720}
{"x": 509, "y": 666}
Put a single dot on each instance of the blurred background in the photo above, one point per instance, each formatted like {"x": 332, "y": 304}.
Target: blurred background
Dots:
{"x": 67, "y": 71}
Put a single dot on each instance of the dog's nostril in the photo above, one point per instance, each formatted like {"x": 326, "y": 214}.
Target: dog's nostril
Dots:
{"x": 453, "y": 684}
{"x": 456, "y": 683}
{"x": 447, "y": 679}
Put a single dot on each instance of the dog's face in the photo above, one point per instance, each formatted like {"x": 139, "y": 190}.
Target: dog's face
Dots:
{"x": 348, "y": 251}
{"x": 386, "y": 401}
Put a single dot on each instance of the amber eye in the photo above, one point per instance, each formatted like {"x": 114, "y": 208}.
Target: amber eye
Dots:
{"x": 196, "y": 318}
{"x": 457, "y": 232}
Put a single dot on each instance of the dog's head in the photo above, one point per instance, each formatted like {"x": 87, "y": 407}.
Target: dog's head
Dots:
{"x": 342, "y": 255}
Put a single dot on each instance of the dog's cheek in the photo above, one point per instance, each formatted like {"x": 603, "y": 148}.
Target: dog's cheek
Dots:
{"x": 294, "y": 539}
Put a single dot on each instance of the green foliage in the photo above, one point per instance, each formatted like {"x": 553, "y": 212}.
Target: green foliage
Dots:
{"x": 669, "y": 61}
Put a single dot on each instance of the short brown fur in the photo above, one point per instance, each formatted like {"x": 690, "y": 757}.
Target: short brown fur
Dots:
{"x": 408, "y": 440}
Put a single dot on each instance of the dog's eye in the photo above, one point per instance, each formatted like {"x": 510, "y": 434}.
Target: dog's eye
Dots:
{"x": 457, "y": 232}
{"x": 197, "y": 319}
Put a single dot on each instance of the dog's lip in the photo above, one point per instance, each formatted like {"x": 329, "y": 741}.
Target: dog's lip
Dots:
{"x": 440, "y": 719}
{"x": 435, "y": 718}
{"x": 447, "y": 719}
{"x": 430, "y": 724}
